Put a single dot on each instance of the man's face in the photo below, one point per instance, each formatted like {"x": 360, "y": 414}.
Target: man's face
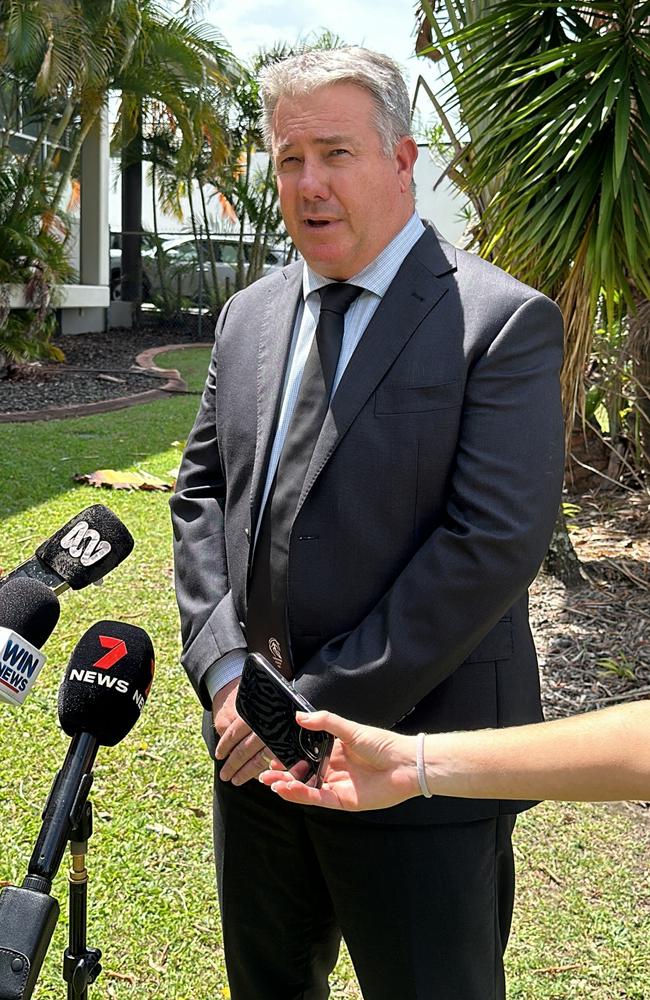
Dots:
{"x": 342, "y": 198}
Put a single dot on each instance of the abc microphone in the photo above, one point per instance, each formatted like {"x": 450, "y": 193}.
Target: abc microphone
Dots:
{"x": 103, "y": 692}
{"x": 29, "y": 612}
{"x": 81, "y": 552}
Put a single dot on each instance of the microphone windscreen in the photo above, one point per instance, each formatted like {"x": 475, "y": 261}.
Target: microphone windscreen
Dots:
{"x": 87, "y": 547}
{"x": 107, "y": 682}
{"x": 29, "y": 608}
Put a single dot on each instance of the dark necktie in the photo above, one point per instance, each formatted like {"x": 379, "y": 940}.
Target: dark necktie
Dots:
{"x": 267, "y": 626}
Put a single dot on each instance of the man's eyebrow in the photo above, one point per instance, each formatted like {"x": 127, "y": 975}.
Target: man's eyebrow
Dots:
{"x": 326, "y": 140}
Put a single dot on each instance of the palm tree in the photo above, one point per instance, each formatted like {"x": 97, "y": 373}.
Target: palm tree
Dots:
{"x": 51, "y": 63}
{"x": 560, "y": 173}
{"x": 175, "y": 66}
{"x": 250, "y": 190}
{"x": 569, "y": 147}
{"x": 60, "y": 58}
{"x": 566, "y": 92}
{"x": 33, "y": 256}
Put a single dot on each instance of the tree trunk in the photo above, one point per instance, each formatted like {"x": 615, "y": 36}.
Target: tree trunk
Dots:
{"x": 56, "y": 136}
{"x": 240, "y": 276}
{"x": 160, "y": 267}
{"x": 639, "y": 348}
{"x": 131, "y": 290}
{"x": 561, "y": 560}
{"x": 73, "y": 155}
{"x": 210, "y": 245}
{"x": 259, "y": 246}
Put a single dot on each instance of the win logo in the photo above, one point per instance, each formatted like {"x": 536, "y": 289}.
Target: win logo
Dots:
{"x": 20, "y": 657}
{"x": 20, "y": 663}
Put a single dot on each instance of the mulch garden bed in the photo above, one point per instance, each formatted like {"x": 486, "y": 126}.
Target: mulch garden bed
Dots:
{"x": 97, "y": 367}
{"x": 594, "y": 642}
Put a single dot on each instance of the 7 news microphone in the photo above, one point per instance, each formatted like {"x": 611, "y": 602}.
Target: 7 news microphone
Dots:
{"x": 104, "y": 690}
{"x": 82, "y": 552}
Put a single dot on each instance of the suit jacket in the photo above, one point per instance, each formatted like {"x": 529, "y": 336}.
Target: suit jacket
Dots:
{"x": 426, "y": 511}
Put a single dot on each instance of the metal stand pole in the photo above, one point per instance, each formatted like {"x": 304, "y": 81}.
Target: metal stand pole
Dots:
{"x": 80, "y": 963}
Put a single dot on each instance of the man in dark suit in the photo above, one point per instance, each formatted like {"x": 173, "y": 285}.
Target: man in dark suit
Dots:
{"x": 380, "y": 557}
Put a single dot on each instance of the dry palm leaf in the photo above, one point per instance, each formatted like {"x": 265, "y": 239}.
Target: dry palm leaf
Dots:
{"x": 118, "y": 480}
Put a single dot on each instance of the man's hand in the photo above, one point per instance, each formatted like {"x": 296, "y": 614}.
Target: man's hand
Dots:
{"x": 244, "y": 753}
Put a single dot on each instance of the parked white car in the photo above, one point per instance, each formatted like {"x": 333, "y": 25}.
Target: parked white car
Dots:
{"x": 186, "y": 266}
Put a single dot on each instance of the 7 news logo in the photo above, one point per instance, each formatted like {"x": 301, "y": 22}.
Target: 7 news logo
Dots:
{"x": 100, "y": 676}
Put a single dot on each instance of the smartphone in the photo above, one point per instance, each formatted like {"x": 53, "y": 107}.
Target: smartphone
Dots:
{"x": 268, "y": 703}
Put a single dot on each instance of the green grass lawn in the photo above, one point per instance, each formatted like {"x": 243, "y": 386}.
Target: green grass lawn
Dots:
{"x": 583, "y": 916}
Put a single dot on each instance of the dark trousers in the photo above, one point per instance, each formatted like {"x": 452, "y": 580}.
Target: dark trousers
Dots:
{"x": 425, "y": 910}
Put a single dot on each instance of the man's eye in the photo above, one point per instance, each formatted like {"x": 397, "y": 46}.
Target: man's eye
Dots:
{"x": 339, "y": 152}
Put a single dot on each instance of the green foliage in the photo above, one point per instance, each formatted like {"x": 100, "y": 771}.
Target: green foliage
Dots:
{"x": 58, "y": 61}
{"x": 176, "y": 70}
{"x": 32, "y": 254}
{"x": 570, "y": 142}
{"x": 618, "y": 666}
{"x": 612, "y": 400}
{"x": 555, "y": 100}
{"x": 570, "y": 510}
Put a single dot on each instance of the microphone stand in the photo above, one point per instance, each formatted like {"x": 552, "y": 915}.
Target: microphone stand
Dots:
{"x": 81, "y": 965}
{"x": 28, "y": 914}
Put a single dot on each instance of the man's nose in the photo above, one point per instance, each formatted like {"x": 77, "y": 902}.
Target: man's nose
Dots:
{"x": 314, "y": 183}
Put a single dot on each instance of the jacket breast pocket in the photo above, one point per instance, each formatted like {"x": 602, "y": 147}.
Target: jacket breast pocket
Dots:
{"x": 417, "y": 398}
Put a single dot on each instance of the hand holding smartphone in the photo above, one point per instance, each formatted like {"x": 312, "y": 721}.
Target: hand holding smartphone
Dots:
{"x": 268, "y": 703}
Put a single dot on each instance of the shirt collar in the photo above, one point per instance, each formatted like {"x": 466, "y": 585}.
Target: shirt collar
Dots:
{"x": 376, "y": 276}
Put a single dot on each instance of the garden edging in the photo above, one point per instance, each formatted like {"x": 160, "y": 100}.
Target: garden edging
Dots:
{"x": 145, "y": 360}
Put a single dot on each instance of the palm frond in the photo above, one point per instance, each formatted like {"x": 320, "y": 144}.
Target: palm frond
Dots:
{"x": 565, "y": 156}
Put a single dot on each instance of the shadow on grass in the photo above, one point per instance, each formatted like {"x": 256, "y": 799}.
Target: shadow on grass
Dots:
{"x": 39, "y": 460}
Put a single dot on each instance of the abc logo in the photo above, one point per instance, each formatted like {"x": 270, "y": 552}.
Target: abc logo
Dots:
{"x": 83, "y": 543}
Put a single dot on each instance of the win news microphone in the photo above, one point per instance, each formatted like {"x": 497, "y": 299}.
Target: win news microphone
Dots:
{"x": 29, "y": 611}
{"x": 104, "y": 690}
{"x": 81, "y": 552}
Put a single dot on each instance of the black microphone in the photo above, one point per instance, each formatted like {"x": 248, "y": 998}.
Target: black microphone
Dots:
{"x": 81, "y": 552}
{"x": 103, "y": 692}
{"x": 29, "y": 612}
{"x": 105, "y": 687}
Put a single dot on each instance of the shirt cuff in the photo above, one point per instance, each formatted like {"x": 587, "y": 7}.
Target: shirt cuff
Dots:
{"x": 227, "y": 668}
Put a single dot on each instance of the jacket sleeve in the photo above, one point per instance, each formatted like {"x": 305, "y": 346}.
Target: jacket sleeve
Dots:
{"x": 209, "y": 624}
{"x": 502, "y": 503}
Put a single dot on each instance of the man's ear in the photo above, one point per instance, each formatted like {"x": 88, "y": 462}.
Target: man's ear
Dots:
{"x": 406, "y": 153}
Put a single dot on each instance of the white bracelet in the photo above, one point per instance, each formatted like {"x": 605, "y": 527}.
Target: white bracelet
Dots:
{"x": 419, "y": 765}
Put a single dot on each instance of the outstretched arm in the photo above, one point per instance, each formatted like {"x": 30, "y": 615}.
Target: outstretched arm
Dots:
{"x": 598, "y": 756}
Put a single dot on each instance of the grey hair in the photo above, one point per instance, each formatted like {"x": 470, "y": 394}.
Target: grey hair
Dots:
{"x": 372, "y": 71}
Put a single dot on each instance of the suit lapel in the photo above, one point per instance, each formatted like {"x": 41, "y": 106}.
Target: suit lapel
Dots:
{"x": 413, "y": 293}
{"x": 275, "y": 339}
